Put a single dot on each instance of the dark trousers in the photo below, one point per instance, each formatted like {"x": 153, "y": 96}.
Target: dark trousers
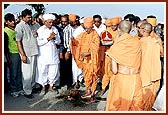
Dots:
{"x": 66, "y": 72}
{"x": 6, "y": 83}
{"x": 162, "y": 71}
{"x": 15, "y": 73}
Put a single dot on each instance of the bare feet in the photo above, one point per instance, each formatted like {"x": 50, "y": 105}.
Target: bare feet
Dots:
{"x": 92, "y": 99}
{"x": 88, "y": 94}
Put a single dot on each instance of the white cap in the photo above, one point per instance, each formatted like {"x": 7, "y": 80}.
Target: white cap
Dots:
{"x": 48, "y": 16}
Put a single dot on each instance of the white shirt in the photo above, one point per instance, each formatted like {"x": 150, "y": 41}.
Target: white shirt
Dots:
{"x": 133, "y": 32}
{"x": 48, "y": 50}
{"x": 101, "y": 28}
{"x": 78, "y": 31}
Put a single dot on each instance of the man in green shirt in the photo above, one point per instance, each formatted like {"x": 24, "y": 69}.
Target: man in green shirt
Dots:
{"x": 13, "y": 56}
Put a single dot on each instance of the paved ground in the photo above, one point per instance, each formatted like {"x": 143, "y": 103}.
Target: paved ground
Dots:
{"x": 59, "y": 102}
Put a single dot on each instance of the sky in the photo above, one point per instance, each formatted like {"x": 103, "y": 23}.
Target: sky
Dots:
{"x": 105, "y": 9}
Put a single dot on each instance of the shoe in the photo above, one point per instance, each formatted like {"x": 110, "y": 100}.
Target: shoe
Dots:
{"x": 21, "y": 92}
{"x": 30, "y": 96}
{"x": 15, "y": 94}
{"x": 36, "y": 88}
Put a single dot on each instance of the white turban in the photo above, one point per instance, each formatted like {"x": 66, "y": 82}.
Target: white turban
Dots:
{"x": 48, "y": 16}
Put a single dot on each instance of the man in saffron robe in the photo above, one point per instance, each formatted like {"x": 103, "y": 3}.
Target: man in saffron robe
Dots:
{"x": 125, "y": 91}
{"x": 112, "y": 29}
{"x": 150, "y": 71}
{"x": 87, "y": 44}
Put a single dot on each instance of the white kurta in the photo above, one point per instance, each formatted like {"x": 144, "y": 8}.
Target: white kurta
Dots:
{"x": 77, "y": 73}
{"x": 48, "y": 58}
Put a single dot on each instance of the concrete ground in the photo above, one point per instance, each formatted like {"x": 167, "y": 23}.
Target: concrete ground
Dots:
{"x": 54, "y": 103}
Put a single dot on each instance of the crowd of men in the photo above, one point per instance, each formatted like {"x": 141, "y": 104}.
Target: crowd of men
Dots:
{"x": 49, "y": 51}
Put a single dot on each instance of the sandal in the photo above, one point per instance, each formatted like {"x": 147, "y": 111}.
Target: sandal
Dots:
{"x": 86, "y": 95}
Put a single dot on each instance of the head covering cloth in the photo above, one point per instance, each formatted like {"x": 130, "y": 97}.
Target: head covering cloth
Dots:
{"x": 115, "y": 20}
{"x": 152, "y": 21}
{"x": 88, "y": 22}
{"x": 48, "y": 17}
{"x": 72, "y": 17}
{"x": 108, "y": 22}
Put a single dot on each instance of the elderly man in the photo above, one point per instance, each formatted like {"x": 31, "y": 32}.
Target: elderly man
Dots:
{"x": 86, "y": 57}
{"x": 150, "y": 66}
{"x": 48, "y": 59}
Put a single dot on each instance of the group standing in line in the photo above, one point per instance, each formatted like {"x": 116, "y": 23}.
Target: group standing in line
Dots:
{"x": 52, "y": 51}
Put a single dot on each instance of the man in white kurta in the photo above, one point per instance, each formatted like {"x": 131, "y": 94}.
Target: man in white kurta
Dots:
{"x": 48, "y": 58}
{"x": 77, "y": 73}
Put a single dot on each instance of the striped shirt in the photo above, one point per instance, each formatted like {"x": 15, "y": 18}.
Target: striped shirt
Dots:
{"x": 68, "y": 32}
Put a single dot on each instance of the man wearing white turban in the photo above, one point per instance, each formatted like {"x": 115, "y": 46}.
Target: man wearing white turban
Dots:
{"x": 48, "y": 58}
{"x": 48, "y": 17}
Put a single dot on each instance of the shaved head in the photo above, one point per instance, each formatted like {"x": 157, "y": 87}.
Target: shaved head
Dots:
{"x": 125, "y": 26}
{"x": 141, "y": 22}
{"x": 148, "y": 27}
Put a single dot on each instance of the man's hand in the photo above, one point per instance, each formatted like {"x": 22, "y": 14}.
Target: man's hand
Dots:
{"x": 52, "y": 35}
{"x": 61, "y": 56}
{"x": 73, "y": 41}
{"x": 67, "y": 55}
{"x": 24, "y": 59}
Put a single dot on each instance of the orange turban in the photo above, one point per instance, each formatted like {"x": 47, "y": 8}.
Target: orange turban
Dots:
{"x": 115, "y": 20}
{"x": 152, "y": 21}
{"x": 108, "y": 22}
{"x": 119, "y": 19}
{"x": 88, "y": 22}
{"x": 72, "y": 17}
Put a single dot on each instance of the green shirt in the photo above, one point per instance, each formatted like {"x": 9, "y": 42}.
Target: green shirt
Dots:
{"x": 11, "y": 40}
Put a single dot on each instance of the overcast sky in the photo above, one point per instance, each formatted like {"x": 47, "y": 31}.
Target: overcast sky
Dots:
{"x": 105, "y": 9}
